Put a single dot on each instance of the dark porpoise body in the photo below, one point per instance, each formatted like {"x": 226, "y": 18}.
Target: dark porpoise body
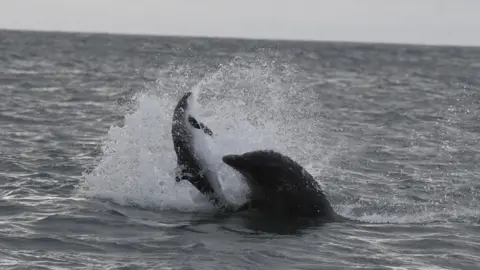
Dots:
{"x": 281, "y": 187}
{"x": 191, "y": 167}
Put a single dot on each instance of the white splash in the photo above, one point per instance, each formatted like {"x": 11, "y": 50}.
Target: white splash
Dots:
{"x": 246, "y": 103}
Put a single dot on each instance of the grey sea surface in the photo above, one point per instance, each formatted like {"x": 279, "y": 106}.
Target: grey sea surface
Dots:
{"x": 391, "y": 132}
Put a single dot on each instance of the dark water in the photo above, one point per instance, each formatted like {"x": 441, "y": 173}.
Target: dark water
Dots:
{"x": 392, "y": 133}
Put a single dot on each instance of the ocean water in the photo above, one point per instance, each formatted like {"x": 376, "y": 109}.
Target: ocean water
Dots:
{"x": 391, "y": 132}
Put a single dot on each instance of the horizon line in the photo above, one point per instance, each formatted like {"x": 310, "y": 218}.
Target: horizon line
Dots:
{"x": 243, "y": 38}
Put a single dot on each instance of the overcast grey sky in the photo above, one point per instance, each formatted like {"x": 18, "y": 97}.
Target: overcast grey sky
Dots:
{"x": 452, "y": 22}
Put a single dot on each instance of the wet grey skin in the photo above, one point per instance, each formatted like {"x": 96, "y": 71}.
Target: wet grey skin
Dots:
{"x": 281, "y": 187}
{"x": 188, "y": 162}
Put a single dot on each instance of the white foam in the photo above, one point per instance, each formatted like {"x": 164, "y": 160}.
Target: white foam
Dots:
{"x": 138, "y": 163}
{"x": 243, "y": 103}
